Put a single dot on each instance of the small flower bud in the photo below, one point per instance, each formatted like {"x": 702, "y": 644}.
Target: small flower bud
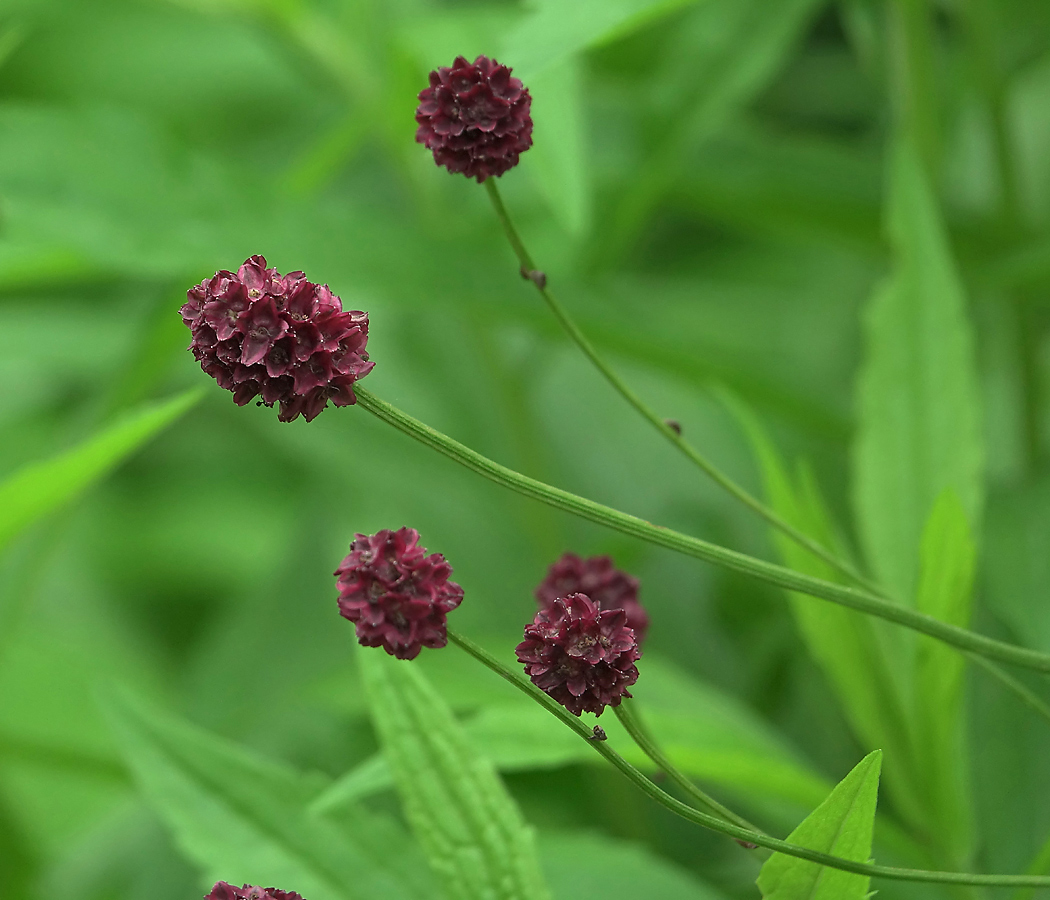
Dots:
{"x": 475, "y": 118}
{"x": 278, "y": 336}
{"x": 583, "y": 657}
{"x": 600, "y": 580}
{"x": 224, "y": 891}
{"x": 396, "y": 595}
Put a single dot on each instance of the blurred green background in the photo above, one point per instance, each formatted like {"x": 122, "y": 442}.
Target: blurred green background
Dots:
{"x": 706, "y": 193}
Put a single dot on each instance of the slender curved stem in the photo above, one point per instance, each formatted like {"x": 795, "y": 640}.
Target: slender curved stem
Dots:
{"x": 853, "y": 598}
{"x": 625, "y": 712}
{"x": 717, "y": 824}
{"x": 529, "y": 270}
{"x": 1040, "y": 864}
{"x": 1022, "y": 691}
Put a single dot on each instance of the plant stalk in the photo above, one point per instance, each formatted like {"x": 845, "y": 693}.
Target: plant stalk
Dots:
{"x": 529, "y": 271}
{"x": 625, "y": 712}
{"x": 852, "y": 598}
{"x": 728, "y": 828}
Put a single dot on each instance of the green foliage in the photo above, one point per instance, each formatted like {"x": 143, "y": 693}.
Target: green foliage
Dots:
{"x": 581, "y": 864}
{"x": 842, "y": 825}
{"x": 557, "y": 30}
{"x": 917, "y": 396}
{"x": 707, "y": 734}
{"x": 471, "y": 829}
{"x": 862, "y": 658}
{"x": 40, "y": 488}
{"x": 242, "y": 817}
{"x": 945, "y": 590}
{"x": 705, "y": 193}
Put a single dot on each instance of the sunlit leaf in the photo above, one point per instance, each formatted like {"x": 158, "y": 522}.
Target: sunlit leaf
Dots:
{"x": 842, "y": 826}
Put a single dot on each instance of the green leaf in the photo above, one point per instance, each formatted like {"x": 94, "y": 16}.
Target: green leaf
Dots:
{"x": 40, "y": 488}
{"x": 721, "y": 58}
{"x": 558, "y": 30}
{"x": 860, "y": 657}
{"x": 707, "y": 734}
{"x": 1018, "y": 566}
{"x": 558, "y": 158}
{"x": 842, "y": 825}
{"x": 945, "y": 592}
{"x": 583, "y": 865}
{"x": 242, "y": 817}
{"x": 919, "y": 428}
{"x": 471, "y": 829}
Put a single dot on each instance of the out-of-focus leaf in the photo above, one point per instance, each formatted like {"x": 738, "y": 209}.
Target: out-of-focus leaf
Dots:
{"x": 582, "y": 865}
{"x": 842, "y": 825}
{"x": 724, "y": 55}
{"x": 558, "y": 157}
{"x": 240, "y": 816}
{"x": 944, "y": 592}
{"x": 11, "y": 36}
{"x": 707, "y": 734}
{"x": 40, "y": 488}
{"x": 558, "y": 30}
{"x": 1029, "y": 112}
{"x": 1017, "y": 564}
{"x": 470, "y": 827}
{"x": 919, "y": 429}
{"x": 862, "y": 659}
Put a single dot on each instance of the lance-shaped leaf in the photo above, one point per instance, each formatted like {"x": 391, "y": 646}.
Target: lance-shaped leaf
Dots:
{"x": 842, "y": 825}
{"x": 919, "y": 423}
{"x": 706, "y": 733}
{"x": 471, "y": 829}
{"x": 558, "y": 30}
{"x": 40, "y": 488}
{"x": 862, "y": 658}
{"x": 242, "y": 817}
{"x": 945, "y": 591}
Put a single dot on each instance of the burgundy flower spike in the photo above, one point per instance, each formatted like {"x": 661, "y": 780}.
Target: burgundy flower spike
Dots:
{"x": 224, "y": 891}
{"x": 583, "y": 657}
{"x": 396, "y": 595}
{"x": 600, "y": 580}
{"x": 278, "y": 336}
{"x": 475, "y": 118}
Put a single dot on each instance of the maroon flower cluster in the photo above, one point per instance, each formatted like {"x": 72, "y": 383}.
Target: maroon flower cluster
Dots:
{"x": 475, "y": 118}
{"x": 600, "y": 580}
{"x": 582, "y": 656}
{"x": 396, "y": 595}
{"x": 224, "y": 891}
{"x": 278, "y": 336}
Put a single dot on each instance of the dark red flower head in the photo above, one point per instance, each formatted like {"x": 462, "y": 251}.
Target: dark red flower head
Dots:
{"x": 475, "y": 118}
{"x": 395, "y": 593}
{"x": 600, "y": 580}
{"x": 278, "y": 336}
{"x": 582, "y": 656}
{"x": 224, "y": 891}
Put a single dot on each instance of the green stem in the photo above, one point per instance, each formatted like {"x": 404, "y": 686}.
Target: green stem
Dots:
{"x": 718, "y": 824}
{"x": 528, "y": 269}
{"x": 1041, "y": 863}
{"x": 640, "y": 735}
{"x": 1024, "y": 693}
{"x": 853, "y": 598}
